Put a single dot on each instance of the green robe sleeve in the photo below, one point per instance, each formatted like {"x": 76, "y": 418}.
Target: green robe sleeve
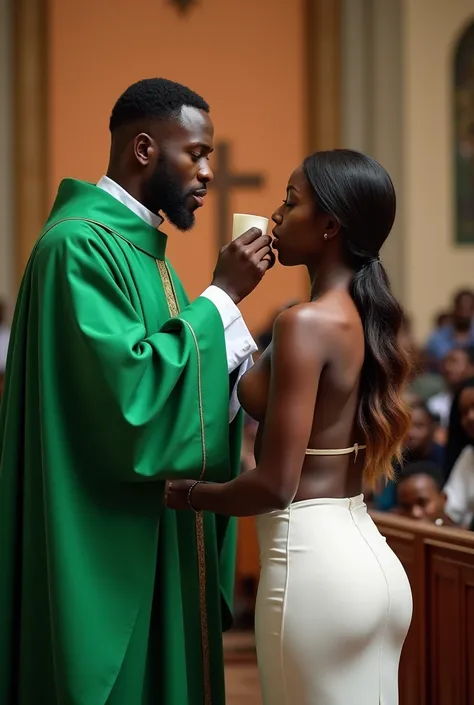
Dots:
{"x": 160, "y": 397}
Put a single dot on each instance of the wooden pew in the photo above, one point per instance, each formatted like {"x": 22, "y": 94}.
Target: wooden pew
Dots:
{"x": 437, "y": 666}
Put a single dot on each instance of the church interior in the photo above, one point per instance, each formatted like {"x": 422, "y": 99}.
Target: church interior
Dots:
{"x": 391, "y": 78}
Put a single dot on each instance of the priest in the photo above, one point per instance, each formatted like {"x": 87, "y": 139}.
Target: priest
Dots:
{"x": 115, "y": 384}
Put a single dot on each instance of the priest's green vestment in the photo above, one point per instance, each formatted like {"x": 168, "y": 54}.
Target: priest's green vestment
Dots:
{"x": 115, "y": 382}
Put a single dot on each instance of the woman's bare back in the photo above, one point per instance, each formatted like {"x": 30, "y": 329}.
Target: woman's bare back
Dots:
{"x": 334, "y": 420}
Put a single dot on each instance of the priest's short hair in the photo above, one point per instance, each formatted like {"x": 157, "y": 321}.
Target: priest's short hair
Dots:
{"x": 155, "y": 98}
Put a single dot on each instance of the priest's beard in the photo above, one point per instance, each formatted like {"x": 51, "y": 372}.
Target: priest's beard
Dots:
{"x": 165, "y": 188}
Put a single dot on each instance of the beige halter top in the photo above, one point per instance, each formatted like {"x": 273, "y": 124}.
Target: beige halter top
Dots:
{"x": 336, "y": 451}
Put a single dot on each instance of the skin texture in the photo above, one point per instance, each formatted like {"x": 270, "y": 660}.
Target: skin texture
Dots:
{"x": 304, "y": 389}
{"x": 164, "y": 164}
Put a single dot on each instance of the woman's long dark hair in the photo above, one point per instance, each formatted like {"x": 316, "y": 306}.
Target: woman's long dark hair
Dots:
{"x": 457, "y": 436}
{"x": 358, "y": 193}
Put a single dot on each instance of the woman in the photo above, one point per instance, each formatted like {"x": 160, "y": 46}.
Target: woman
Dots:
{"x": 334, "y": 604}
{"x": 459, "y": 488}
{"x": 458, "y": 439}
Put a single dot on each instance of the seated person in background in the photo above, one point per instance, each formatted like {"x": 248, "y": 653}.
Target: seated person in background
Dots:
{"x": 443, "y": 318}
{"x": 457, "y": 439}
{"x": 421, "y": 443}
{"x": 460, "y": 485}
{"x": 420, "y": 446}
{"x": 457, "y": 366}
{"x": 419, "y": 493}
{"x": 458, "y": 333}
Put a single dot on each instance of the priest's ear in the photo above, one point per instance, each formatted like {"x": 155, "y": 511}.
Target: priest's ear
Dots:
{"x": 145, "y": 149}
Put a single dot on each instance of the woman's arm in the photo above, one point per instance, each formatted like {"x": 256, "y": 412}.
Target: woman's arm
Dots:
{"x": 299, "y": 354}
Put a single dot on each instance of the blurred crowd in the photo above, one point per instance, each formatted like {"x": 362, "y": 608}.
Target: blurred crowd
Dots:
{"x": 435, "y": 480}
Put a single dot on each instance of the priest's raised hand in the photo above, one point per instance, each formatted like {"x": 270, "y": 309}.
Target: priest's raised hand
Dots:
{"x": 242, "y": 264}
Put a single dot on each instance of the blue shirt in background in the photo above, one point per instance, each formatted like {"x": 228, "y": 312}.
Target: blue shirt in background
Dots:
{"x": 443, "y": 340}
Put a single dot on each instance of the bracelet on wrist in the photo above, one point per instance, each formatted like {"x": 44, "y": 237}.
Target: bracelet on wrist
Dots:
{"x": 190, "y": 491}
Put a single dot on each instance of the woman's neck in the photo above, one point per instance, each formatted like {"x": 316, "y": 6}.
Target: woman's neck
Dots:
{"x": 330, "y": 275}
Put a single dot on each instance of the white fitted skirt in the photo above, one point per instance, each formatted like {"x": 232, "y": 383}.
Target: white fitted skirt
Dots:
{"x": 333, "y": 608}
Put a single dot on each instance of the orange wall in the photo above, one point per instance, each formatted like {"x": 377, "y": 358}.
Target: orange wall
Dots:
{"x": 246, "y": 59}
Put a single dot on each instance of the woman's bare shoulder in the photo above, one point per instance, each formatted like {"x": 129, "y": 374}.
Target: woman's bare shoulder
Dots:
{"x": 324, "y": 314}
{"x": 300, "y": 334}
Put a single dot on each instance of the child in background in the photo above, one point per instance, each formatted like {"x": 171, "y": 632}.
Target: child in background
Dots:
{"x": 420, "y": 495}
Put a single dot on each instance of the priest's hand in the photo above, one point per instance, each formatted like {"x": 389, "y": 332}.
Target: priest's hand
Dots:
{"x": 242, "y": 264}
{"x": 176, "y": 494}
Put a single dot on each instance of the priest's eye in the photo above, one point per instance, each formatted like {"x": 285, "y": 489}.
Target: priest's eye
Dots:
{"x": 197, "y": 156}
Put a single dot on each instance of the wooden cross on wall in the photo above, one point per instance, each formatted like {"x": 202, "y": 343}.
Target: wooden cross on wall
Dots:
{"x": 224, "y": 181}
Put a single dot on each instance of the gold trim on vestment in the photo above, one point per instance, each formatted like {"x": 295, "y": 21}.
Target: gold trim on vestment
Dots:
{"x": 173, "y": 307}
{"x": 171, "y": 299}
{"x": 85, "y": 220}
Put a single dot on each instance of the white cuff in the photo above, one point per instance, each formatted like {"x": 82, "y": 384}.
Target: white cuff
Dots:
{"x": 238, "y": 342}
{"x": 234, "y": 404}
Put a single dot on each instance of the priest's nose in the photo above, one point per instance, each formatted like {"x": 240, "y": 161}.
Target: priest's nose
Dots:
{"x": 205, "y": 174}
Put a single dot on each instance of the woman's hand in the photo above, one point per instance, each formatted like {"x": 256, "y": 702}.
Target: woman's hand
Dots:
{"x": 176, "y": 494}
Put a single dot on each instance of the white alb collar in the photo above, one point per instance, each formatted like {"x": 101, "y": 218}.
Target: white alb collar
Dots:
{"x": 115, "y": 190}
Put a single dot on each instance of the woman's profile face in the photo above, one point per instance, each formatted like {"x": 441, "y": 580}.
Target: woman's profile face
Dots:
{"x": 466, "y": 410}
{"x": 299, "y": 228}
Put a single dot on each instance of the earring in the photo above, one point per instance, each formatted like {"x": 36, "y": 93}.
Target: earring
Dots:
{"x": 325, "y": 236}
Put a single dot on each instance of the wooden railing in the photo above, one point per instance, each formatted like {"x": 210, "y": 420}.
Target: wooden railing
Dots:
{"x": 437, "y": 666}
